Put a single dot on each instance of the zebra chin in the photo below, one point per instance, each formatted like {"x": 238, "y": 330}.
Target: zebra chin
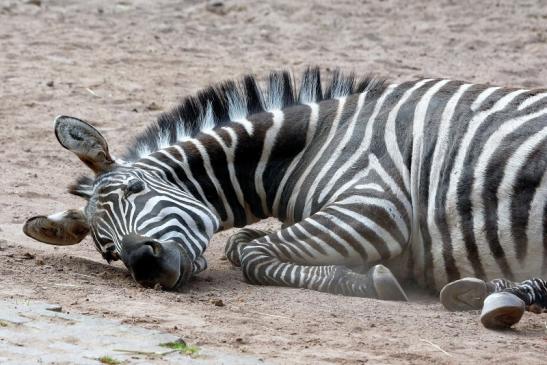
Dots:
{"x": 153, "y": 263}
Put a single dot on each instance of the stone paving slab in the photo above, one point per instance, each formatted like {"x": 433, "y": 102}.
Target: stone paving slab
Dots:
{"x": 39, "y": 333}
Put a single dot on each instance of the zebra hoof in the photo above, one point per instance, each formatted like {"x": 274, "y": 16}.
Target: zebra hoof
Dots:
{"x": 464, "y": 295}
{"x": 501, "y": 310}
{"x": 385, "y": 284}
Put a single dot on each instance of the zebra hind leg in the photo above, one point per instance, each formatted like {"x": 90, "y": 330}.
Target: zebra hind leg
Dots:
{"x": 235, "y": 242}
{"x": 506, "y": 306}
{"x": 503, "y": 302}
{"x": 465, "y": 294}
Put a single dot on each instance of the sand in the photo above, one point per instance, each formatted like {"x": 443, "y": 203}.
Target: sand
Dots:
{"x": 118, "y": 64}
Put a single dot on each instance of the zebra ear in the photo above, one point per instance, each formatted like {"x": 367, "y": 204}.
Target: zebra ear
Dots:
{"x": 85, "y": 141}
{"x": 61, "y": 229}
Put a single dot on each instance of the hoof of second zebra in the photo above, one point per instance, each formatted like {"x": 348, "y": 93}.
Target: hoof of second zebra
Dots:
{"x": 502, "y": 310}
{"x": 386, "y": 285}
{"x": 464, "y": 295}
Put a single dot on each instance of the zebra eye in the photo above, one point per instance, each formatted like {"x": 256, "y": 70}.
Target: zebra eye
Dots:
{"x": 135, "y": 186}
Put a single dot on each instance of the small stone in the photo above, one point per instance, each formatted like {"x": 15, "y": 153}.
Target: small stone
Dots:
{"x": 28, "y": 256}
{"x": 217, "y": 7}
{"x": 55, "y": 308}
{"x": 153, "y": 106}
{"x": 49, "y": 84}
{"x": 181, "y": 341}
{"x": 39, "y": 261}
{"x": 218, "y": 302}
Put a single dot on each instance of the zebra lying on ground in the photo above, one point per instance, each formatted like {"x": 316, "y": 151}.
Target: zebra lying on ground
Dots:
{"x": 433, "y": 180}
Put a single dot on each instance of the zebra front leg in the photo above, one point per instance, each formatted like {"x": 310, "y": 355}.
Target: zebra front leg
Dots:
{"x": 261, "y": 266}
{"x": 357, "y": 229}
{"x": 503, "y": 302}
{"x": 235, "y": 242}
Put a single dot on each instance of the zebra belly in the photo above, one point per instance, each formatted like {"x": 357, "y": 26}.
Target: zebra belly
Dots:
{"x": 515, "y": 250}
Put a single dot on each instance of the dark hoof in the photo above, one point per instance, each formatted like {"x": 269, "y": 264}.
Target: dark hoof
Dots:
{"x": 464, "y": 294}
{"x": 501, "y": 310}
{"x": 385, "y": 284}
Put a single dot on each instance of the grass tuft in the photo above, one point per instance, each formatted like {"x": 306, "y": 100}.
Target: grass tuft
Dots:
{"x": 109, "y": 360}
{"x": 182, "y": 347}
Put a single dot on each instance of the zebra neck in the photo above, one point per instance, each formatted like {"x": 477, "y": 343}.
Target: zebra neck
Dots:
{"x": 236, "y": 169}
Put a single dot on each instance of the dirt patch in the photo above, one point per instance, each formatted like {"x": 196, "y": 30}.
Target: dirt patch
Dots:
{"x": 119, "y": 64}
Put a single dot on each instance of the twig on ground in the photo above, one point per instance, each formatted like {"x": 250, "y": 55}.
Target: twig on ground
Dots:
{"x": 146, "y": 353}
{"x": 84, "y": 275}
{"x": 261, "y": 314}
{"x": 63, "y": 285}
{"x": 91, "y": 92}
{"x": 436, "y": 346}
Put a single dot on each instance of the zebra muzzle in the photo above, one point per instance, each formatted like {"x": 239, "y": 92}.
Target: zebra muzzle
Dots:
{"x": 153, "y": 263}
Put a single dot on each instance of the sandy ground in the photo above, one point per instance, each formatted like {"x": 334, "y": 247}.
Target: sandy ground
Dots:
{"x": 120, "y": 63}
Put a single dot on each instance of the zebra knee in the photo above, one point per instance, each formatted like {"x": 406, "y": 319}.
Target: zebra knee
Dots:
{"x": 235, "y": 242}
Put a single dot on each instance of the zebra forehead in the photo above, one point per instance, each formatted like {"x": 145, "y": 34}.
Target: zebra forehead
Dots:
{"x": 85, "y": 186}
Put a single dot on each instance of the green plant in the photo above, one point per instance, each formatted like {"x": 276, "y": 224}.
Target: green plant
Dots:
{"x": 182, "y": 347}
{"x": 108, "y": 360}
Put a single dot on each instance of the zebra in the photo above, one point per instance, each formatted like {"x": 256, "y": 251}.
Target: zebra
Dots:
{"x": 437, "y": 181}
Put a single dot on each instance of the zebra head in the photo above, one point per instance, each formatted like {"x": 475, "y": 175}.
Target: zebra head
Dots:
{"x": 132, "y": 214}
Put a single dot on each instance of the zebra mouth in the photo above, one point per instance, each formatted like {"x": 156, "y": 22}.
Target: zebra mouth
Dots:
{"x": 186, "y": 267}
{"x": 153, "y": 263}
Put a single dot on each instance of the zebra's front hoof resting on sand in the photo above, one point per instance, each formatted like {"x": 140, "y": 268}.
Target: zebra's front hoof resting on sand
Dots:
{"x": 378, "y": 283}
{"x": 464, "y": 294}
{"x": 502, "y": 310}
{"x": 386, "y": 285}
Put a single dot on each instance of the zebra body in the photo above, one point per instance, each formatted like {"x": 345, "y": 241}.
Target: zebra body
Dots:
{"x": 436, "y": 179}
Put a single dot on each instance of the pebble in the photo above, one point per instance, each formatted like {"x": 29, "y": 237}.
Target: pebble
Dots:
{"x": 217, "y": 7}
{"x": 55, "y": 308}
{"x": 153, "y": 106}
{"x": 218, "y": 302}
{"x": 28, "y": 256}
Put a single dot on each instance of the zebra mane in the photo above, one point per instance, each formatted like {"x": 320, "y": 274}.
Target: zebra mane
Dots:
{"x": 237, "y": 99}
